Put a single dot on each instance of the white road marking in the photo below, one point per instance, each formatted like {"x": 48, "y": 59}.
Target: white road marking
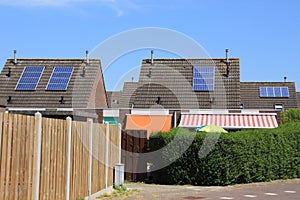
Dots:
{"x": 271, "y": 194}
{"x": 250, "y": 196}
{"x": 226, "y": 198}
{"x": 197, "y": 189}
{"x": 290, "y": 191}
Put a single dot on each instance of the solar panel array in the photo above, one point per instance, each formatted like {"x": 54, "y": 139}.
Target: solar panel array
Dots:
{"x": 203, "y": 79}
{"x": 60, "y": 78}
{"x": 30, "y": 78}
{"x": 274, "y": 91}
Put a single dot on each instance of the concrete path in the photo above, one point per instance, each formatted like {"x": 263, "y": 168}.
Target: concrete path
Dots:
{"x": 276, "y": 190}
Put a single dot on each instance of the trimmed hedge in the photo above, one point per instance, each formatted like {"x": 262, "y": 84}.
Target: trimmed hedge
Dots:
{"x": 237, "y": 157}
{"x": 290, "y": 115}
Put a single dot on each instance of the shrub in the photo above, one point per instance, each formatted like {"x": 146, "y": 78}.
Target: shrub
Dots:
{"x": 290, "y": 115}
{"x": 237, "y": 157}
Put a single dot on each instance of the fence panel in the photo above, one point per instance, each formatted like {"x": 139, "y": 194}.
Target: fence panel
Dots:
{"x": 18, "y": 155}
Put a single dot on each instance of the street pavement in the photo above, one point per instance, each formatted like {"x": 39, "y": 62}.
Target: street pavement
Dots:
{"x": 275, "y": 190}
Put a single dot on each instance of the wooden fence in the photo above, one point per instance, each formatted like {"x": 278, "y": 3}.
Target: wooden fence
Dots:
{"x": 43, "y": 158}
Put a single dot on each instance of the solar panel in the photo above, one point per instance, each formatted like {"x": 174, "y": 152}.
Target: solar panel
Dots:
{"x": 203, "y": 79}
{"x": 30, "y": 78}
{"x": 274, "y": 92}
{"x": 285, "y": 92}
{"x": 60, "y": 78}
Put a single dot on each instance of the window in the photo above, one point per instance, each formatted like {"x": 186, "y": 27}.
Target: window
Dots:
{"x": 30, "y": 78}
{"x": 278, "y": 106}
{"x": 203, "y": 79}
{"x": 274, "y": 91}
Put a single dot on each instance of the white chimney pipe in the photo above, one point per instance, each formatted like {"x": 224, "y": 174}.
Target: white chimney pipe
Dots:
{"x": 15, "y": 57}
{"x": 227, "y": 57}
{"x": 87, "y": 57}
{"x": 152, "y": 57}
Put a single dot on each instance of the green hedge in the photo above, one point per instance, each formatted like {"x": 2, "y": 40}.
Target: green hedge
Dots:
{"x": 237, "y": 157}
{"x": 290, "y": 115}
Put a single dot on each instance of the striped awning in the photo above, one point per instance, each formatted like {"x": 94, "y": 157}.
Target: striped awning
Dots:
{"x": 230, "y": 121}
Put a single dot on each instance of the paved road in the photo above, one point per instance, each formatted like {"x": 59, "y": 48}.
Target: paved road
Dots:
{"x": 276, "y": 190}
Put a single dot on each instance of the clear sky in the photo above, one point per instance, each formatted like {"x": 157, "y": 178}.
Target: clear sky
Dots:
{"x": 264, "y": 34}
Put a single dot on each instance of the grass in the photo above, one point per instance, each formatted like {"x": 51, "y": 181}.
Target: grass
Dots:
{"x": 120, "y": 192}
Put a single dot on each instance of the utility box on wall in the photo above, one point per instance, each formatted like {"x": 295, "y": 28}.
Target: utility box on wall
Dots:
{"x": 119, "y": 174}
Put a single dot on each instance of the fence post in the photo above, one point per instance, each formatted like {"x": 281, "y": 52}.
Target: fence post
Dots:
{"x": 69, "y": 133}
{"x": 90, "y": 122}
{"x": 120, "y": 142}
{"x": 106, "y": 154}
{"x": 38, "y": 128}
{"x": 175, "y": 119}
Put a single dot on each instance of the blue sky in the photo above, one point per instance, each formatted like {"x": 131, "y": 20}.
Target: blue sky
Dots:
{"x": 264, "y": 34}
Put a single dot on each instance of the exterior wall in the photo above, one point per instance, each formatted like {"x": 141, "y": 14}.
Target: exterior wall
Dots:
{"x": 298, "y": 99}
{"x": 251, "y": 99}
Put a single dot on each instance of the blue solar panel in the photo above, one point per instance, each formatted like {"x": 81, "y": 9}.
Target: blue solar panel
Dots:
{"x": 30, "y": 78}
{"x": 60, "y": 78}
{"x": 274, "y": 92}
{"x": 203, "y": 79}
{"x": 263, "y": 92}
{"x": 285, "y": 92}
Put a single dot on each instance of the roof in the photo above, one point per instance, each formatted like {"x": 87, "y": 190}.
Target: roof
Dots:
{"x": 113, "y": 98}
{"x": 171, "y": 81}
{"x": 250, "y": 95}
{"x": 81, "y": 92}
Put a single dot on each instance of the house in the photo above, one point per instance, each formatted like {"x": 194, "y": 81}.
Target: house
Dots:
{"x": 268, "y": 95}
{"x": 195, "y": 92}
{"x": 177, "y": 84}
{"x": 55, "y": 87}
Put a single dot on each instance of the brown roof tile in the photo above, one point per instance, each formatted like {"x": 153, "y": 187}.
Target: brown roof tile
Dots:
{"x": 171, "y": 80}
{"x": 81, "y": 91}
{"x": 250, "y": 95}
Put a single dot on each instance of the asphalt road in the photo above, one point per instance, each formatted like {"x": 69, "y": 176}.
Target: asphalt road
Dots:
{"x": 283, "y": 190}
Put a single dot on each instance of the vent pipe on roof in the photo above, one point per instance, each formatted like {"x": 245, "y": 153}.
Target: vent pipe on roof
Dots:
{"x": 227, "y": 58}
{"x": 87, "y": 57}
{"x": 152, "y": 57}
{"x": 227, "y": 62}
{"x": 284, "y": 78}
{"x": 15, "y": 57}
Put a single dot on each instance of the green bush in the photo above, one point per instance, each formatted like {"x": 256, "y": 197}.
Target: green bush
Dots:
{"x": 237, "y": 157}
{"x": 290, "y": 115}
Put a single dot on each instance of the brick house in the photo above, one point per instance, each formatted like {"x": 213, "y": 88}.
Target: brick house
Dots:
{"x": 55, "y": 87}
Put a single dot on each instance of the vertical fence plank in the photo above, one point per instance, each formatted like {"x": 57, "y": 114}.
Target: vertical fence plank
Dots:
{"x": 3, "y": 156}
{"x": 19, "y": 159}
{"x": 59, "y": 160}
{"x": 90, "y": 128}
{"x": 52, "y": 158}
{"x": 15, "y": 159}
{"x": 1, "y": 137}
{"x": 9, "y": 157}
{"x": 106, "y": 154}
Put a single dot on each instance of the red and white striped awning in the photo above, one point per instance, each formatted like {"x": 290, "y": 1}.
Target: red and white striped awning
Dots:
{"x": 230, "y": 121}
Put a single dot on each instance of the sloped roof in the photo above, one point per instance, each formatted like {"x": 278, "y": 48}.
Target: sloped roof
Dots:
{"x": 171, "y": 81}
{"x": 85, "y": 89}
{"x": 250, "y": 95}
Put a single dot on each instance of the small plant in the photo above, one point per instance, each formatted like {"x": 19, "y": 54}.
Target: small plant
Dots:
{"x": 120, "y": 188}
{"x": 118, "y": 192}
